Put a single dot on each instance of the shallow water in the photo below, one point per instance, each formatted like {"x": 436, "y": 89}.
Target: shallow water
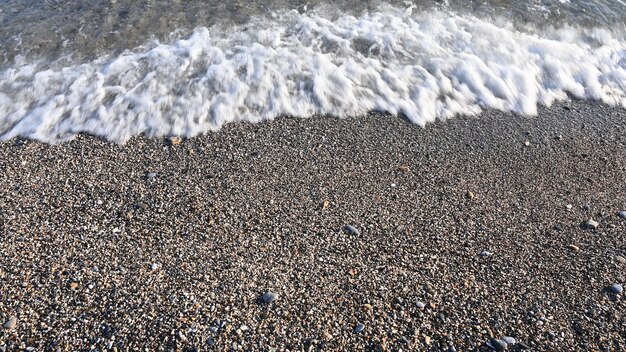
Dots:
{"x": 122, "y": 68}
{"x": 88, "y": 29}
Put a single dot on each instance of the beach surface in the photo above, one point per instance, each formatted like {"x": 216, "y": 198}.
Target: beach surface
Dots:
{"x": 467, "y": 230}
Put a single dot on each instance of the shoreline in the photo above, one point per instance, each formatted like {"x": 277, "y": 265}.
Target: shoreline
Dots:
{"x": 99, "y": 253}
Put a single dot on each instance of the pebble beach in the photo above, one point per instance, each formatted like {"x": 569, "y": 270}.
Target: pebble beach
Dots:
{"x": 366, "y": 233}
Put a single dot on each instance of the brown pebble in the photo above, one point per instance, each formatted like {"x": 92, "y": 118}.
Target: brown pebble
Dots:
{"x": 74, "y": 285}
{"x": 176, "y": 140}
{"x": 470, "y": 195}
{"x": 325, "y": 205}
{"x": 573, "y": 247}
{"x": 403, "y": 168}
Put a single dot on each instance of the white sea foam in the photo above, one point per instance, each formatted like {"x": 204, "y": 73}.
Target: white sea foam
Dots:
{"x": 426, "y": 66}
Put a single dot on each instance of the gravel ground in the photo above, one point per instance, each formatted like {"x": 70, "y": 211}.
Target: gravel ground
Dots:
{"x": 463, "y": 231}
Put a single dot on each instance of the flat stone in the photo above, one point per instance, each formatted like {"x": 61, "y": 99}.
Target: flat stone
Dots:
{"x": 509, "y": 340}
{"x": 351, "y": 230}
{"x": 592, "y": 224}
{"x": 485, "y": 254}
{"x": 11, "y": 323}
{"x": 616, "y": 288}
{"x": 359, "y": 328}
{"x": 151, "y": 176}
{"x": 269, "y": 297}
{"x": 497, "y": 345}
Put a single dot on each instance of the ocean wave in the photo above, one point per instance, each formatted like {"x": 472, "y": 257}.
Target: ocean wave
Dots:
{"x": 425, "y": 66}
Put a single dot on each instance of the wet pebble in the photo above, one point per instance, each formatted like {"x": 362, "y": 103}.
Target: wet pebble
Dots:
{"x": 622, "y": 214}
{"x": 359, "y": 328}
{"x": 269, "y": 297}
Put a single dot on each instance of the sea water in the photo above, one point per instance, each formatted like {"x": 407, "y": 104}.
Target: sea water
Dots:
{"x": 121, "y": 68}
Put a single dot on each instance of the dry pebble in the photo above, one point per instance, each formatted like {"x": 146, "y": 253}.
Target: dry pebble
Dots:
{"x": 242, "y": 214}
{"x": 269, "y": 297}
{"x": 10, "y": 323}
{"x": 351, "y": 230}
{"x": 592, "y": 224}
{"x": 573, "y": 247}
{"x": 616, "y": 288}
{"x": 497, "y": 345}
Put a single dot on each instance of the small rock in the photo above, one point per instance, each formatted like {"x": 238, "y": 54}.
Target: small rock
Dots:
{"x": 573, "y": 247}
{"x": 592, "y": 224}
{"x": 620, "y": 259}
{"x": 527, "y": 143}
{"x": 485, "y": 254}
{"x": 351, "y": 230}
{"x": 210, "y": 342}
{"x": 325, "y": 205}
{"x": 175, "y": 140}
{"x": 427, "y": 340}
{"x": 509, "y": 340}
{"x": 359, "y": 328}
{"x": 269, "y": 297}
{"x": 11, "y": 323}
{"x": 143, "y": 206}
{"x": 420, "y": 305}
{"x": 470, "y": 195}
{"x": 403, "y": 169}
{"x": 569, "y": 207}
{"x": 616, "y": 289}
{"x": 151, "y": 176}
{"x": 74, "y": 285}
{"x": 497, "y": 345}
{"x": 154, "y": 266}
{"x": 622, "y": 214}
